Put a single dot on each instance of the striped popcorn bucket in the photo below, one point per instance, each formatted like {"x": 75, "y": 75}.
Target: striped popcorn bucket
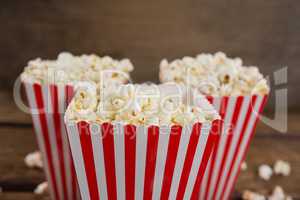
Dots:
{"x": 117, "y": 161}
{"x": 47, "y": 105}
{"x": 240, "y": 115}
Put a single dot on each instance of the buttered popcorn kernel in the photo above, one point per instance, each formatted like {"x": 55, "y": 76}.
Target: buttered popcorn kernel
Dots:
{"x": 216, "y": 75}
{"x": 137, "y": 104}
{"x": 69, "y": 69}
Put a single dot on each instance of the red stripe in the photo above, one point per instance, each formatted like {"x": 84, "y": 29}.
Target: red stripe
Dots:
{"x": 173, "y": 146}
{"x": 194, "y": 139}
{"x": 43, "y": 122}
{"x": 130, "y": 148}
{"x": 222, "y": 111}
{"x": 210, "y": 99}
{"x": 58, "y": 133}
{"x": 109, "y": 159}
{"x": 248, "y": 114}
{"x": 229, "y": 136}
{"x": 152, "y": 143}
{"x": 69, "y": 92}
{"x": 89, "y": 164}
{"x": 213, "y": 137}
{"x": 250, "y": 139}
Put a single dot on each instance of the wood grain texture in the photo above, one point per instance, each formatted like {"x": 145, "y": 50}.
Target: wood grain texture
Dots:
{"x": 15, "y": 144}
{"x": 264, "y": 33}
{"x": 23, "y": 196}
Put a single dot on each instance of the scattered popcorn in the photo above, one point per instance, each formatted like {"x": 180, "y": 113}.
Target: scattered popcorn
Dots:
{"x": 265, "y": 172}
{"x": 282, "y": 168}
{"x": 278, "y": 194}
{"x": 244, "y": 166}
{"x": 41, "y": 188}
{"x": 249, "y": 195}
{"x": 34, "y": 159}
{"x": 69, "y": 69}
{"x": 215, "y": 75}
{"x": 140, "y": 104}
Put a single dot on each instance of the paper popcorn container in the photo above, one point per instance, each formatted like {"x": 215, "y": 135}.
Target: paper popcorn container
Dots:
{"x": 240, "y": 115}
{"x": 47, "y": 105}
{"x": 116, "y": 161}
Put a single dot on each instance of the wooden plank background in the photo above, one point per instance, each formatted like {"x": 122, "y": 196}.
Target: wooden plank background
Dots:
{"x": 263, "y": 33}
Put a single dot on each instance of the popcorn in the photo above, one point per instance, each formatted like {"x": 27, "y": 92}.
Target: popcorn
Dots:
{"x": 41, "y": 188}
{"x": 69, "y": 69}
{"x": 216, "y": 75}
{"x": 282, "y": 167}
{"x": 34, "y": 159}
{"x": 139, "y": 104}
{"x": 244, "y": 166}
{"x": 278, "y": 194}
{"x": 265, "y": 172}
{"x": 249, "y": 195}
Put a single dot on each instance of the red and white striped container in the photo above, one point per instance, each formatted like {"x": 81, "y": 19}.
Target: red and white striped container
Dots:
{"x": 48, "y": 104}
{"x": 117, "y": 161}
{"x": 240, "y": 115}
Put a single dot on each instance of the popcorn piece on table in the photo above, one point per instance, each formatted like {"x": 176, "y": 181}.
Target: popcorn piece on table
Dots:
{"x": 249, "y": 195}
{"x": 244, "y": 166}
{"x": 282, "y": 168}
{"x": 278, "y": 194}
{"x": 41, "y": 188}
{"x": 34, "y": 159}
{"x": 265, "y": 172}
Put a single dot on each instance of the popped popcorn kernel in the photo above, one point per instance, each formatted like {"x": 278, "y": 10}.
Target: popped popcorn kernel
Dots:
{"x": 34, "y": 159}
{"x": 249, "y": 195}
{"x": 278, "y": 194}
{"x": 265, "y": 172}
{"x": 42, "y": 188}
{"x": 282, "y": 168}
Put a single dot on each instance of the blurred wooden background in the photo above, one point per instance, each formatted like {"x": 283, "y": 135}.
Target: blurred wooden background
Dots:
{"x": 263, "y": 33}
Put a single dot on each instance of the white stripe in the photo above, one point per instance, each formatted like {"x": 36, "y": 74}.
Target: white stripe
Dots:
{"x": 141, "y": 151}
{"x": 52, "y": 137}
{"x": 66, "y": 149}
{"x": 162, "y": 150}
{"x": 39, "y": 134}
{"x": 96, "y": 137}
{"x": 222, "y": 144}
{"x": 78, "y": 159}
{"x": 245, "y": 140}
{"x": 183, "y": 145}
{"x": 120, "y": 160}
{"x": 233, "y": 146}
{"x": 217, "y": 103}
{"x": 201, "y": 146}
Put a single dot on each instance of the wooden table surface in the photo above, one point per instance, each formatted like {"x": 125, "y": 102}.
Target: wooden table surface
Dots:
{"x": 17, "y": 140}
